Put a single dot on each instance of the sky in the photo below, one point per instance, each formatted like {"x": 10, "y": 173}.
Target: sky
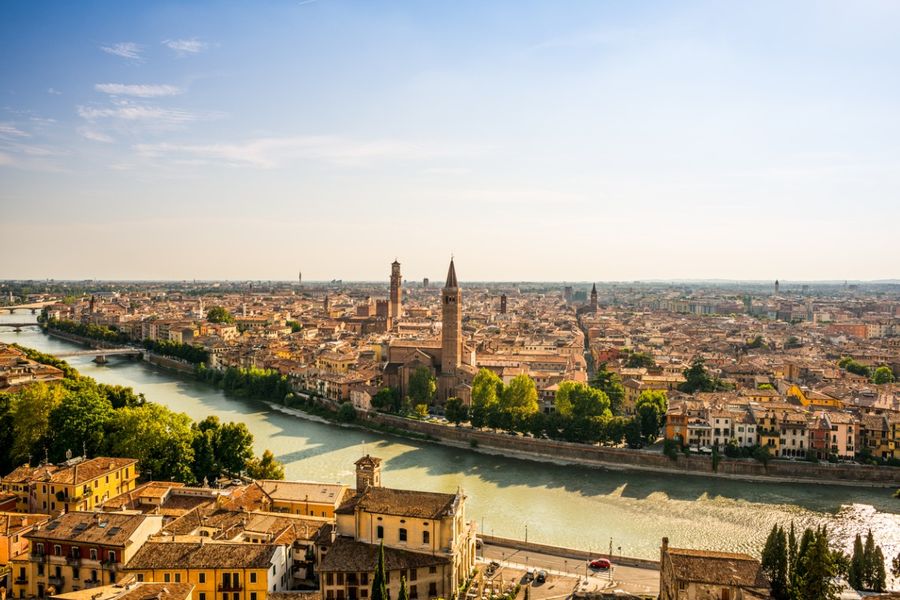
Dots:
{"x": 533, "y": 140}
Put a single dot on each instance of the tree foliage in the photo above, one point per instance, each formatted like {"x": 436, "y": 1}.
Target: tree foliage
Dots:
{"x": 422, "y": 386}
{"x": 456, "y": 411}
{"x": 775, "y": 562}
{"x": 219, "y": 314}
{"x": 698, "y": 379}
{"x": 609, "y": 383}
{"x": 265, "y": 467}
{"x": 882, "y": 375}
{"x": 486, "y": 390}
{"x": 638, "y": 360}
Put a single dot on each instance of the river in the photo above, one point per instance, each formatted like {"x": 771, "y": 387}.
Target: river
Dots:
{"x": 569, "y": 506}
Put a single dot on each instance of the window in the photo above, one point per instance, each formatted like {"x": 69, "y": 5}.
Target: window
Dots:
{"x": 93, "y": 554}
{"x": 201, "y": 578}
{"x": 39, "y": 549}
{"x": 112, "y": 556}
{"x": 413, "y": 574}
{"x": 413, "y": 591}
{"x": 426, "y": 537}
{"x": 76, "y": 574}
{"x": 340, "y": 579}
{"x": 364, "y": 579}
{"x": 139, "y": 578}
{"x": 329, "y": 579}
{"x": 432, "y": 590}
{"x": 177, "y": 577}
{"x": 252, "y": 595}
{"x": 253, "y": 577}
{"x": 432, "y": 570}
{"x": 329, "y": 595}
{"x": 403, "y": 534}
{"x": 57, "y": 550}
{"x": 40, "y": 569}
{"x": 202, "y": 596}
{"x": 167, "y": 578}
{"x": 379, "y": 532}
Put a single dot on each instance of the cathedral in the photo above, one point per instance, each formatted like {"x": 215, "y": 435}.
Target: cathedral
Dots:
{"x": 449, "y": 359}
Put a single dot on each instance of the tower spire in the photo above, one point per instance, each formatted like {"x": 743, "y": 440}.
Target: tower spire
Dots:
{"x": 451, "y": 276}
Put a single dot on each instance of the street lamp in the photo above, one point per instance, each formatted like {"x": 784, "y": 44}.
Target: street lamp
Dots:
{"x": 526, "y": 532}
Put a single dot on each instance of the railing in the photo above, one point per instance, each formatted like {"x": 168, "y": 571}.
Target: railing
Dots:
{"x": 38, "y": 557}
{"x": 73, "y": 560}
{"x": 230, "y": 587}
{"x": 57, "y": 581}
{"x": 21, "y": 580}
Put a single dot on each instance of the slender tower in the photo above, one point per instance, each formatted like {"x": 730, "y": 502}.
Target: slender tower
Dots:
{"x": 502, "y": 304}
{"x": 451, "y": 329}
{"x": 396, "y": 291}
{"x": 776, "y": 287}
{"x": 594, "y": 298}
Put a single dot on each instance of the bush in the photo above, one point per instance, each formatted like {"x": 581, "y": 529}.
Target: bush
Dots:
{"x": 346, "y": 413}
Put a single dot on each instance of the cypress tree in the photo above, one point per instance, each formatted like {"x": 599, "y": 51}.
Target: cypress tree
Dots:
{"x": 404, "y": 594}
{"x": 857, "y": 565}
{"x": 379, "y": 588}
{"x": 869, "y": 560}
{"x": 792, "y": 551}
{"x": 775, "y": 562}
{"x": 879, "y": 579}
{"x": 816, "y": 566}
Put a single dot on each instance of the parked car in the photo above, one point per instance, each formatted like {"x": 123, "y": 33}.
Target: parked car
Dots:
{"x": 529, "y": 575}
{"x": 541, "y": 576}
{"x": 600, "y": 564}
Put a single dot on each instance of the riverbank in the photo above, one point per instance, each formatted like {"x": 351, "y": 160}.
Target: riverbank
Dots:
{"x": 568, "y": 453}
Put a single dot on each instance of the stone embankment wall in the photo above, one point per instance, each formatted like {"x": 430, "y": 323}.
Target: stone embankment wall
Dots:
{"x": 155, "y": 359}
{"x": 71, "y": 337}
{"x": 643, "y": 460}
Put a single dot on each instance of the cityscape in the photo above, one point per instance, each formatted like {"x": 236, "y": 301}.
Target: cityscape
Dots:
{"x": 327, "y": 300}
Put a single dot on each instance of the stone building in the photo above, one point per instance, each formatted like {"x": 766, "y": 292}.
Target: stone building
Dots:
{"x": 704, "y": 575}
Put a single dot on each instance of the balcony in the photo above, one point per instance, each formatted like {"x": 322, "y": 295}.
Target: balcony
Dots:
{"x": 37, "y": 557}
{"x": 20, "y": 580}
{"x": 229, "y": 587}
{"x": 58, "y": 582}
{"x": 73, "y": 560}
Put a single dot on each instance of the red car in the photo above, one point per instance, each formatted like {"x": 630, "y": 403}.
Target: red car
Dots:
{"x": 600, "y": 563}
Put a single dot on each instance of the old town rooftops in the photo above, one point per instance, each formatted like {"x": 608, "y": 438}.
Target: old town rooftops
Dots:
{"x": 723, "y": 568}
{"x": 302, "y": 491}
{"x": 405, "y": 503}
{"x": 106, "y": 529}
{"x": 348, "y": 555}
{"x": 202, "y": 555}
{"x": 74, "y": 472}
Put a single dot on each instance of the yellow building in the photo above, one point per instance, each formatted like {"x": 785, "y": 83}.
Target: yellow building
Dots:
{"x": 303, "y": 497}
{"x": 77, "y": 484}
{"x": 13, "y": 527}
{"x": 129, "y": 589}
{"x": 817, "y": 399}
{"x": 217, "y": 570}
{"x": 79, "y": 550}
{"x": 425, "y": 535}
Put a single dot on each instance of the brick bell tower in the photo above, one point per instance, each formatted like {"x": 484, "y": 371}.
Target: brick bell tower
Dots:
{"x": 451, "y": 332}
{"x": 396, "y": 292}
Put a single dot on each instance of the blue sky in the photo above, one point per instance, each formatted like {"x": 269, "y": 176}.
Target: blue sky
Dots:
{"x": 534, "y": 140}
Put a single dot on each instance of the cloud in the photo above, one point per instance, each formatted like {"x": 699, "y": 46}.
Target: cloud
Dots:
{"x": 140, "y": 90}
{"x": 189, "y": 46}
{"x": 8, "y": 130}
{"x": 268, "y": 153}
{"x": 126, "y": 111}
{"x": 128, "y": 50}
{"x": 54, "y": 92}
{"x": 94, "y": 135}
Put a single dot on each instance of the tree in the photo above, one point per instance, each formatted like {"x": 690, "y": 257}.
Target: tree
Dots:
{"x": 633, "y": 435}
{"x": 650, "y": 409}
{"x": 346, "y": 413}
{"x": 234, "y": 447}
{"x": 486, "y": 390}
{"x": 79, "y": 422}
{"x": 608, "y": 382}
{"x": 854, "y": 367}
{"x": 856, "y": 572}
{"x": 579, "y": 401}
{"x": 883, "y": 375}
{"x": 895, "y": 566}
{"x": 379, "y": 589}
{"x": 266, "y": 467}
{"x": 387, "y": 399}
{"x": 879, "y": 577}
{"x": 519, "y": 399}
{"x": 421, "y": 410}
{"x": 422, "y": 386}
{"x": 868, "y": 561}
{"x": 218, "y": 314}
{"x": 775, "y": 562}
{"x": 31, "y": 408}
{"x": 456, "y": 410}
{"x": 697, "y": 378}
{"x": 158, "y": 437}
{"x": 403, "y": 594}
{"x": 639, "y": 360}
{"x": 816, "y": 568}
{"x": 6, "y": 433}
{"x": 762, "y": 454}
{"x": 791, "y": 555}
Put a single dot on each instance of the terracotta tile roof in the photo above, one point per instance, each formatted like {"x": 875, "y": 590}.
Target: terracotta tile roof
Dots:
{"x": 202, "y": 555}
{"x": 90, "y": 469}
{"x": 348, "y": 555}
{"x": 106, "y": 529}
{"x": 12, "y": 523}
{"x": 726, "y": 568}
{"x": 405, "y": 503}
{"x": 302, "y": 491}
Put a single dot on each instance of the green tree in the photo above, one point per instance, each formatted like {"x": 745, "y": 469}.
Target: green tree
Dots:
{"x": 580, "y": 401}
{"x": 486, "y": 390}
{"x": 762, "y": 454}
{"x": 234, "y": 447}
{"x": 879, "y": 577}
{"x": 79, "y": 423}
{"x": 31, "y": 408}
{"x": 158, "y": 437}
{"x": 895, "y": 566}
{"x": 775, "y": 562}
{"x": 609, "y": 383}
{"x": 883, "y": 375}
{"x": 6, "y": 433}
{"x": 854, "y": 367}
{"x": 816, "y": 568}
{"x": 697, "y": 378}
{"x": 203, "y": 443}
{"x": 421, "y": 410}
{"x": 218, "y": 314}
{"x": 650, "y": 409}
{"x": 379, "y": 587}
{"x": 422, "y": 386}
{"x": 519, "y": 399}
{"x": 346, "y": 413}
{"x": 791, "y": 555}
{"x": 633, "y": 435}
{"x": 638, "y": 360}
{"x": 856, "y": 572}
{"x": 387, "y": 399}
{"x": 120, "y": 395}
{"x": 265, "y": 467}
{"x": 456, "y": 411}
{"x": 403, "y": 594}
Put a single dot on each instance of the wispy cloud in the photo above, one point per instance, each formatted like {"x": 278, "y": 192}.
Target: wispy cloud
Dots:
{"x": 186, "y": 46}
{"x": 123, "y": 116}
{"x": 8, "y": 130}
{"x": 139, "y": 90}
{"x": 268, "y": 153}
{"x": 54, "y": 92}
{"x": 128, "y": 50}
{"x": 89, "y": 133}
